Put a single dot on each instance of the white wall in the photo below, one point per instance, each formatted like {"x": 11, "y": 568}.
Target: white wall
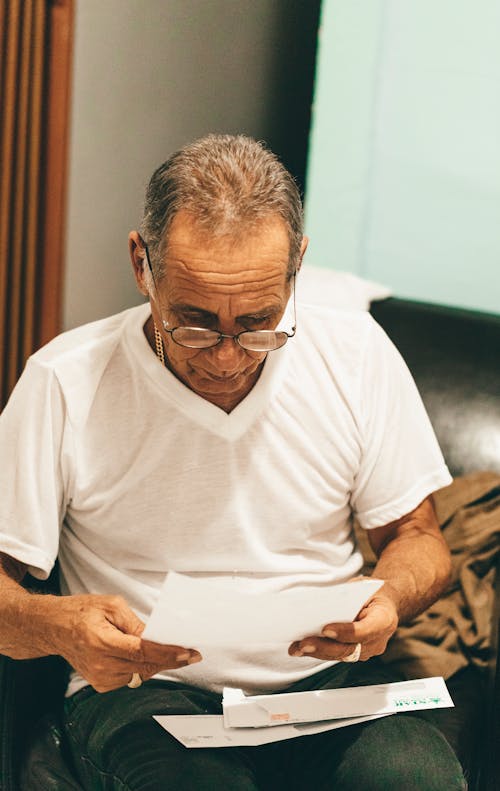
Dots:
{"x": 404, "y": 169}
{"x": 149, "y": 76}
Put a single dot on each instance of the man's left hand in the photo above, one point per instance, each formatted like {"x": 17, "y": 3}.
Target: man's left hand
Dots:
{"x": 374, "y": 626}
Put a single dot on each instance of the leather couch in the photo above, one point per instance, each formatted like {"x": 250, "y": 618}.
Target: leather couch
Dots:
{"x": 454, "y": 356}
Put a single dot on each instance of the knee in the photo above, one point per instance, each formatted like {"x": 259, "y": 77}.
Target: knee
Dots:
{"x": 402, "y": 752}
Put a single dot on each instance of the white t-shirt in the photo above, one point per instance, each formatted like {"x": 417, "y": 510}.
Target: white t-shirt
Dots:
{"x": 112, "y": 464}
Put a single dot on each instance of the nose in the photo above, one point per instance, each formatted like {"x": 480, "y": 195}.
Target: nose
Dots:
{"x": 227, "y": 356}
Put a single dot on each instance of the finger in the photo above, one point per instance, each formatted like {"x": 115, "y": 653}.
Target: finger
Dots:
{"x": 170, "y": 658}
{"x": 375, "y": 619}
{"x": 179, "y": 660}
{"x": 114, "y": 643}
{"x": 123, "y": 617}
{"x": 320, "y": 648}
{"x": 166, "y": 656}
{"x": 111, "y": 673}
{"x": 359, "y": 632}
{"x": 132, "y": 649}
{"x": 348, "y": 632}
{"x": 110, "y": 641}
{"x": 158, "y": 652}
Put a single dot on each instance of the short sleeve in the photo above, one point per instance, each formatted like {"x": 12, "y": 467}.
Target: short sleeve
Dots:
{"x": 33, "y": 480}
{"x": 401, "y": 462}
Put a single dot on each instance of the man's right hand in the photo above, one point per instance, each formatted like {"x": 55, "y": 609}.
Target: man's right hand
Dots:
{"x": 100, "y": 636}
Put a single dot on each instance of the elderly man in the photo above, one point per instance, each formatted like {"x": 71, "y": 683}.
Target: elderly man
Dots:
{"x": 220, "y": 431}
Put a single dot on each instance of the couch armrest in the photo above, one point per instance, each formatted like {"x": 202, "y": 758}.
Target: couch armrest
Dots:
{"x": 453, "y": 356}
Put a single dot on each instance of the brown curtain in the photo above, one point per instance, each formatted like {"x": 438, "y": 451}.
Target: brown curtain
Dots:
{"x": 35, "y": 55}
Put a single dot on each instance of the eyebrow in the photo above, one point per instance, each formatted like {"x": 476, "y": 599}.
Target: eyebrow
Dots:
{"x": 180, "y": 307}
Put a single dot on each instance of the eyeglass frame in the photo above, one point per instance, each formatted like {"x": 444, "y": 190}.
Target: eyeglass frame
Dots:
{"x": 222, "y": 335}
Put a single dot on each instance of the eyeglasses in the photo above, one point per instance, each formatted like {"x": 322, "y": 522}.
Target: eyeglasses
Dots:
{"x": 250, "y": 340}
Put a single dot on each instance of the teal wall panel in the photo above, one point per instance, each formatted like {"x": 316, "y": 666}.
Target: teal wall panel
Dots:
{"x": 404, "y": 165}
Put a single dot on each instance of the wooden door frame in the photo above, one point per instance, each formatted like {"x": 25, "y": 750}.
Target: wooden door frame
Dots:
{"x": 55, "y": 167}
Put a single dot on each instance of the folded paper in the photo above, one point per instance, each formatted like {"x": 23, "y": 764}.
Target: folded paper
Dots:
{"x": 195, "y": 611}
{"x": 259, "y": 711}
{"x": 207, "y": 730}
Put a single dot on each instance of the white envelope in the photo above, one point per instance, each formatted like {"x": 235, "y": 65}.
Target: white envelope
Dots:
{"x": 207, "y": 730}
{"x": 198, "y": 612}
{"x": 259, "y": 711}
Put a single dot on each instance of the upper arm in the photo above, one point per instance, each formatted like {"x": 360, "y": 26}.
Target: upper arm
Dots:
{"x": 421, "y": 521}
{"x": 34, "y": 475}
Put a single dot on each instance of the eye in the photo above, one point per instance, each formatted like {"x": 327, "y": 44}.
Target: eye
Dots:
{"x": 255, "y": 321}
{"x": 192, "y": 319}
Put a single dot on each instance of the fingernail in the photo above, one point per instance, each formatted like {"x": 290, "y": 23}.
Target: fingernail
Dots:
{"x": 331, "y": 634}
{"x": 194, "y": 658}
{"x": 296, "y": 652}
{"x": 309, "y": 648}
{"x": 183, "y": 656}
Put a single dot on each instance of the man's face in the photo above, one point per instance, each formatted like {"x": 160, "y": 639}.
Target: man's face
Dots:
{"x": 226, "y": 285}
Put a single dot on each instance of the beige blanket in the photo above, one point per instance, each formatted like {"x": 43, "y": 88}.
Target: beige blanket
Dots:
{"x": 455, "y": 630}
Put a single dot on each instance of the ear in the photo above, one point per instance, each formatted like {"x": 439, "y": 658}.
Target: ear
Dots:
{"x": 303, "y": 248}
{"x": 139, "y": 263}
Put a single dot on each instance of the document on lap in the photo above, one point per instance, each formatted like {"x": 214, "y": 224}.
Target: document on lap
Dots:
{"x": 202, "y": 612}
{"x": 207, "y": 730}
{"x": 328, "y": 707}
{"x": 241, "y": 711}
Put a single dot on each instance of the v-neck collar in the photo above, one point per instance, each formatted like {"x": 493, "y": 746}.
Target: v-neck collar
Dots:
{"x": 230, "y": 425}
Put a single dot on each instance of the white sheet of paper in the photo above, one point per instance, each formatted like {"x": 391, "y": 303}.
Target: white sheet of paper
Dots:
{"x": 195, "y": 612}
{"x": 260, "y": 711}
{"x": 207, "y": 730}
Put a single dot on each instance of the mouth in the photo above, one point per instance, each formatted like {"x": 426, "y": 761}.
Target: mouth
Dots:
{"x": 236, "y": 378}
{"x": 214, "y": 378}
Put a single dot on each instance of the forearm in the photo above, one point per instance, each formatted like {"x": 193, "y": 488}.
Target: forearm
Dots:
{"x": 415, "y": 563}
{"x": 414, "y": 580}
{"x": 26, "y": 619}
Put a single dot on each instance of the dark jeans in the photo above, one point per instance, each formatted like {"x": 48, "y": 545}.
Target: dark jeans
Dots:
{"x": 117, "y": 745}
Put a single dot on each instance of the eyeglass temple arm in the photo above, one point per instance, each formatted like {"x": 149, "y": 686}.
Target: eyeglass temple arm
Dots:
{"x": 294, "y": 328}
{"x": 146, "y": 250}
{"x": 148, "y": 259}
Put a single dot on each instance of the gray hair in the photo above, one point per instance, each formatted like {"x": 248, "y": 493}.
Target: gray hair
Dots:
{"x": 228, "y": 183}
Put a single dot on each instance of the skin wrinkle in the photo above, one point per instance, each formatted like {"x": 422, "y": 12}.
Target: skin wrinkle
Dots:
{"x": 229, "y": 240}
{"x": 213, "y": 276}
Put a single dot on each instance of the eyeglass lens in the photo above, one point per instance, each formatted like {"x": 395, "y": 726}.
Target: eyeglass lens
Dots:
{"x": 199, "y": 338}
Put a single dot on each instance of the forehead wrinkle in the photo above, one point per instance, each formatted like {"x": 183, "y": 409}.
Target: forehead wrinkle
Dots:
{"x": 241, "y": 278}
{"x": 183, "y": 288}
{"x": 233, "y": 275}
{"x": 237, "y": 300}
